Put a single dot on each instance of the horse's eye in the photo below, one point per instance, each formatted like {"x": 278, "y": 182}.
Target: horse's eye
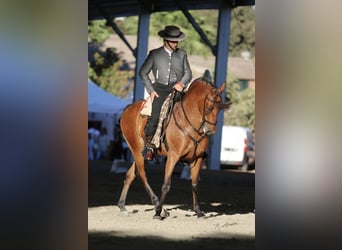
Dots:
{"x": 209, "y": 109}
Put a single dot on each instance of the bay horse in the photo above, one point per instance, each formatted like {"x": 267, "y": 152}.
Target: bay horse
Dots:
{"x": 192, "y": 120}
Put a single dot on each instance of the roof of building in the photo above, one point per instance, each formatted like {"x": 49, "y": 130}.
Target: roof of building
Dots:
{"x": 120, "y": 8}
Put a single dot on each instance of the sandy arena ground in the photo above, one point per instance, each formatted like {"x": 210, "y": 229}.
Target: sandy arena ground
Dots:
{"x": 227, "y": 198}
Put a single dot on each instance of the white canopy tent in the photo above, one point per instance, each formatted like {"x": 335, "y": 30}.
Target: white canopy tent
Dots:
{"x": 100, "y": 101}
{"x": 104, "y": 107}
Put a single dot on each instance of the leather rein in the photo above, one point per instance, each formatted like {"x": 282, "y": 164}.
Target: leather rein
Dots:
{"x": 202, "y": 130}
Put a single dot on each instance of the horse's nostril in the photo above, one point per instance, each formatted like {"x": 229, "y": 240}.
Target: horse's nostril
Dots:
{"x": 208, "y": 131}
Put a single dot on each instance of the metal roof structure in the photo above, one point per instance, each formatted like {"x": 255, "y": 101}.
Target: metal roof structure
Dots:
{"x": 117, "y": 8}
{"x": 109, "y": 9}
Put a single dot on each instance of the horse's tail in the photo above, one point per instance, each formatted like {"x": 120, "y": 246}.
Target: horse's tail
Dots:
{"x": 132, "y": 123}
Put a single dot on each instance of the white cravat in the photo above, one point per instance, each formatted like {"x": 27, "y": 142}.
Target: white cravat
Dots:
{"x": 168, "y": 51}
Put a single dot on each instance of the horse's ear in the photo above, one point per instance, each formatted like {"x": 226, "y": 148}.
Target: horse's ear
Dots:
{"x": 225, "y": 105}
{"x": 222, "y": 88}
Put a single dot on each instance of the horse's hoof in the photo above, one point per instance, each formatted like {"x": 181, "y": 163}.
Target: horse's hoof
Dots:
{"x": 123, "y": 213}
{"x": 165, "y": 213}
{"x": 157, "y": 217}
{"x": 200, "y": 214}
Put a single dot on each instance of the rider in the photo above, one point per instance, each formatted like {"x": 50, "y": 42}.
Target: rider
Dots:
{"x": 171, "y": 70}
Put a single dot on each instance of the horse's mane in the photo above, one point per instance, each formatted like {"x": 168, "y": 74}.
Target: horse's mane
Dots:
{"x": 204, "y": 79}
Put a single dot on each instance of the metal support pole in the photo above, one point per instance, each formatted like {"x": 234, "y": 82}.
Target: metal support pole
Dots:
{"x": 221, "y": 64}
{"x": 141, "y": 52}
{"x": 120, "y": 34}
{"x": 116, "y": 29}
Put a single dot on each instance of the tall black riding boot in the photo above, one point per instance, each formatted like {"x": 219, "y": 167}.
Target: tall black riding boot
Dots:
{"x": 150, "y": 130}
{"x": 149, "y": 148}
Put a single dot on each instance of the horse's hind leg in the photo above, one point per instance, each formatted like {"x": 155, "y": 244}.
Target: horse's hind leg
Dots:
{"x": 130, "y": 176}
{"x": 142, "y": 174}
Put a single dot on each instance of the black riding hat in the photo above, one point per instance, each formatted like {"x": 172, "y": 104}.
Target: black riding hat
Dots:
{"x": 172, "y": 33}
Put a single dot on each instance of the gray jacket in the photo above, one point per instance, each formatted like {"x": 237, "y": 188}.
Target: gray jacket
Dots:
{"x": 165, "y": 69}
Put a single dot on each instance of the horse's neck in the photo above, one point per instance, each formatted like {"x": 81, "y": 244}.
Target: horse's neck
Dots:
{"x": 192, "y": 100}
{"x": 190, "y": 109}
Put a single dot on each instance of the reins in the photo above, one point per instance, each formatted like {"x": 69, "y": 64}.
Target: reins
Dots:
{"x": 198, "y": 131}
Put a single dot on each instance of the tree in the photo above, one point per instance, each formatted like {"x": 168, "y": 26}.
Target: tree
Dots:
{"x": 97, "y": 31}
{"x": 107, "y": 71}
{"x": 242, "y": 110}
{"x": 242, "y": 31}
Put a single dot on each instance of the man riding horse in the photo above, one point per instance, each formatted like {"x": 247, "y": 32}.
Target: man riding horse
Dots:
{"x": 171, "y": 71}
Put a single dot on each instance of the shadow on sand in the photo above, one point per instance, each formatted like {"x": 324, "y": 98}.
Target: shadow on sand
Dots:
{"x": 102, "y": 241}
{"x": 222, "y": 192}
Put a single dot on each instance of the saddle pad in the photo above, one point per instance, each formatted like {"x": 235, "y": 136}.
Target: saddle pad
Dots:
{"x": 146, "y": 108}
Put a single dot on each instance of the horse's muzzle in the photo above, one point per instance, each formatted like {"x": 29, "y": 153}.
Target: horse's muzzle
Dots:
{"x": 207, "y": 130}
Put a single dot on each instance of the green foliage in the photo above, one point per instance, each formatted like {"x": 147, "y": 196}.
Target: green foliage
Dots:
{"x": 242, "y": 110}
{"x": 242, "y": 31}
{"x": 194, "y": 45}
{"x": 128, "y": 26}
{"x": 91, "y": 72}
{"x": 97, "y": 31}
{"x": 106, "y": 72}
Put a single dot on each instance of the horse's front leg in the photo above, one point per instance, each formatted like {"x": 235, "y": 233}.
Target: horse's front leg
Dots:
{"x": 170, "y": 164}
{"x": 194, "y": 170}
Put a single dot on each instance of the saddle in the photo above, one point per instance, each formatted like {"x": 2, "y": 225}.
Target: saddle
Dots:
{"x": 164, "y": 118}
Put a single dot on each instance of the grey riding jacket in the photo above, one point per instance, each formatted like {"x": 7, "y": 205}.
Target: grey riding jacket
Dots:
{"x": 166, "y": 69}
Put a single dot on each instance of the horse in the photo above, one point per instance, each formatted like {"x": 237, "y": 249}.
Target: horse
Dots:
{"x": 186, "y": 137}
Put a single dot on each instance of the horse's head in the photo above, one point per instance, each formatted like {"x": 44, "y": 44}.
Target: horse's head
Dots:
{"x": 203, "y": 102}
{"x": 213, "y": 104}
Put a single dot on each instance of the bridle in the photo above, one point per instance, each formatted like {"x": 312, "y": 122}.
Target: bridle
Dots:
{"x": 203, "y": 131}
{"x": 206, "y": 111}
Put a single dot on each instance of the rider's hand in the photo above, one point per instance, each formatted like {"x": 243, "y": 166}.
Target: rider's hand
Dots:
{"x": 153, "y": 94}
{"x": 179, "y": 86}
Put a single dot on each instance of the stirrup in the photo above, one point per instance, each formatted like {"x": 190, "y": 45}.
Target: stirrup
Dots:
{"x": 148, "y": 154}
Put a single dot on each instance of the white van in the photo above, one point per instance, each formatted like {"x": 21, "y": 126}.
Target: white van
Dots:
{"x": 237, "y": 147}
